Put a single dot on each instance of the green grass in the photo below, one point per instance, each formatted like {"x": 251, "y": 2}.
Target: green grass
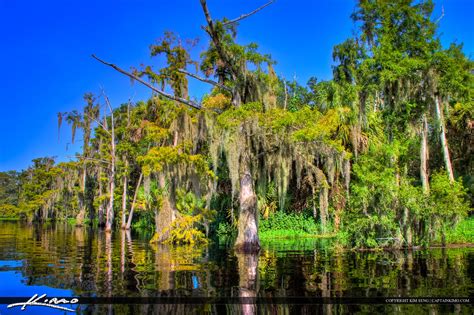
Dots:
{"x": 9, "y": 218}
{"x": 291, "y": 234}
{"x": 463, "y": 233}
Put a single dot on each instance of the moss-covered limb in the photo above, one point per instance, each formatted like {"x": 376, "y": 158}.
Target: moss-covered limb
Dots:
{"x": 276, "y": 155}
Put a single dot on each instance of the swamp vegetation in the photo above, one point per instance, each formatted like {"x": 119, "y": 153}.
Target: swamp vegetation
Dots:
{"x": 379, "y": 156}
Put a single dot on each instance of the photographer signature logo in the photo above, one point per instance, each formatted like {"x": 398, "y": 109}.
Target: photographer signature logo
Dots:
{"x": 41, "y": 300}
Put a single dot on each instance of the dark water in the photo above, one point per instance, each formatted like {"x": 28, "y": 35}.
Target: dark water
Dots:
{"x": 62, "y": 260}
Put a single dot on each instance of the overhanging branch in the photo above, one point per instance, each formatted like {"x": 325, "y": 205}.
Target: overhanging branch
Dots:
{"x": 134, "y": 77}
{"x": 206, "y": 80}
{"x": 243, "y": 16}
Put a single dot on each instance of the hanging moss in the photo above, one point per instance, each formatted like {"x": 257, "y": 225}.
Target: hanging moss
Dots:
{"x": 283, "y": 146}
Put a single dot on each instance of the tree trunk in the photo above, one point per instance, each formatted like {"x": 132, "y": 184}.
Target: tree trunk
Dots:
{"x": 100, "y": 211}
{"x": 323, "y": 206}
{"x": 166, "y": 215}
{"x": 424, "y": 155}
{"x": 130, "y": 216}
{"x": 247, "y": 237}
{"x": 444, "y": 141}
{"x": 407, "y": 227}
{"x": 110, "y": 207}
{"x": 315, "y": 209}
{"x": 82, "y": 198}
{"x": 124, "y": 197}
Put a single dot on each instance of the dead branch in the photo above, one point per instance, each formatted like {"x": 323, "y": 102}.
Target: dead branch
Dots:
{"x": 243, "y": 16}
{"x": 100, "y": 124}
{"x": 206, "y": 80}
{"x": 88, "y": 158}
{"x": 442, "y": 15}
{"x": 216, "y": 40}
{"x": 134, "y": 77}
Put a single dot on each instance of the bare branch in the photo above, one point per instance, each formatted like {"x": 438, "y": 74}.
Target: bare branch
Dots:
{"x": 99, "y": 123}
{"x": 88, "y": 158}
{"x": 107, "y": 101}
{"x": 206, "y": 80}
{"x": 216, "y": 40}
{"x": 442, "y": 15}
{"x": 134, "y": 77}
{"x": 243, "y": 16}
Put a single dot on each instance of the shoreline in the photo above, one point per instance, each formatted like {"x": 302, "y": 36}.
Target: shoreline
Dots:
{"x": 289, "y": 238}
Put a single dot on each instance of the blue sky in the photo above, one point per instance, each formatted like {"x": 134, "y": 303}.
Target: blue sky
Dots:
{"x": 46, "y": 47}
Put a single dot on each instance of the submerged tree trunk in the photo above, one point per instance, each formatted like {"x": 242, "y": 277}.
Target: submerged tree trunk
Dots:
{"x": 444, "y": 141}
{"x": 247, "y": 237}
{"x": 424, "y": 154}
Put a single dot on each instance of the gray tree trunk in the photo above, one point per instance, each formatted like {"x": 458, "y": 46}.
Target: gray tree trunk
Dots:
{"x": 424, "y": 155}
{"x": 130, "y": 216}
{"x": 323, "y": 206}
{"x": 247, "y": 237}
{"x": 444, "y": 141}
{"x": 82, "y": 198}
{"x": 124, "y": 197}
{"x": 110, "y": 207}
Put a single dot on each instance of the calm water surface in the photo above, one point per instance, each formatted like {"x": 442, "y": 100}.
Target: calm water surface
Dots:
{"x": 62, "y": 260}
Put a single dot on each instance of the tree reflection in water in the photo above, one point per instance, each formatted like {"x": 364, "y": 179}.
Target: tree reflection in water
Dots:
{"x": 248, "y": 280}
{"x": 94, "y": 263}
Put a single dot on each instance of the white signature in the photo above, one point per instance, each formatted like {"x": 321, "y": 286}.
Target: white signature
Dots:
{"x": 38, "y": 301}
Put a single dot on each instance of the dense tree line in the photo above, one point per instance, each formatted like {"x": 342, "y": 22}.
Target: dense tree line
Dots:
{"x": 381, "y": 154}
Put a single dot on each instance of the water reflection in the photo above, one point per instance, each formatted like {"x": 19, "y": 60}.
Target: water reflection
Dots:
{"x": 86, "y": 262}
{"x": 248, "y": 281}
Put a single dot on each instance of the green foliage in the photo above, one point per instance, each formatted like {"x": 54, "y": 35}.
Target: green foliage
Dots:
{"x": 144, "y": 222}
{"x": 463, "y": 233}
{"x": 267, "y": 201}
{"x": 379, "y": 201}
{"x": 159, "y": 157}
{"x": 9, "y": 188}
{"x": 225, "y": 231}
{"x": 370, "y": 221}
{"x": 447, "y": 199}
{"x": 298, "y": 224}
{"x": 9, "y": 211}
{"x": 447, "y": 203}
{"x": 183, "y": 231}
{"x": 192, "y": 217}
{"x": 349, "y": 146}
